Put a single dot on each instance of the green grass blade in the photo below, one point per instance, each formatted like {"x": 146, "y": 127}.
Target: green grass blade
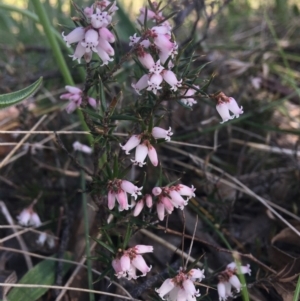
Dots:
{"x": 297, "y": 291}
{"x": 43, "y": 273}
{"x": 14, "y": 98}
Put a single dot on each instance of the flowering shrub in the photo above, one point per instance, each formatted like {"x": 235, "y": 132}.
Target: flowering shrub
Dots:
{"x": 120, "y": 177}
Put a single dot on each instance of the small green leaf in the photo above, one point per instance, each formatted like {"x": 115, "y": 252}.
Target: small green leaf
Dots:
{"x": 14, "y": 98}
{"x": 43, "y": 273}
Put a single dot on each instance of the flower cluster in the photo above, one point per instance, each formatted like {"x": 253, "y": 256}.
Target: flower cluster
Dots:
{"x": 117, "y": 190}
{"x": 28, "y": 217}
{"x": 95, "y": 36}
{"x": 160, "y": 44}
{"x": 74, "y": 96}
{"x": 181, "y": 287}
{"x": 144, "y": 147}
{"x": 229, "y": 280}
{"x": 226, "y": 104}
{"x": 129, "y": 261}
{"x": 167, "y": 198}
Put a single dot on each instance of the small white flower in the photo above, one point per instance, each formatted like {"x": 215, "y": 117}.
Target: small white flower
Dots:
{"x": 77, "y": 146}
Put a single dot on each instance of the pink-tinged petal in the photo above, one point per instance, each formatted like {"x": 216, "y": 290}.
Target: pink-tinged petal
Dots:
{"x": 235, "y": 282}
{"x": 221, "y": 291}
{"x": 71, "y": 107}
{"x": 99, "y": 19}
{"x": 117, "y": 266}
{"x": 66, "y": 96}
{"x": 90, "y": 41}
{"x": 168, "y": 205}
{"x": 88, "y": 11}
{"x": 106, "y": 47}
{"x": 160, "y": 30}
{"x": 185, "y": 190}
{"x": 125, "y": 263}
{"x": 132, "y": 273}
{"x": 156, "y": 191}
{"x": 156, "y": 68}
{"x": 122, "y": 200}
{"x": 140, "y": 263}
{"x": 234, "y": 108}
{"x": 74, "y": 36}
{"x": 111, "y": 200}
{"x": 73, "y": 90}
{"x": 160, "y": 208}
{"x": 163, "y": 42}
{"x": 154, "y": 83}
{"x": 146, "y": 60}
{"x": 79, "y": 52}
{"x": 131, "y": 188}
{"x": 35, "y": 220}
{"x": 103, "y": 55}
{"x": 181, "y": 295}
{"x": 177, "y": 200}
{"x": 231, "y": 266}
{"x": 165, "y": 288}
{"x": 141, "y": 152}
{"x": 171, "y": 79}
{"x": 133, "y": 39}
{"x": 160, "y": 133}
{"x": 189, "y": 288}
{"x": 152, "y": 154}
{"x": 141, "y": 84}
{"x": 138, "y": 207}
{"x": 24, "y": 217}
{"x": 223, "y": 110}
{"x": 107, "y": 35}
{"x": 92, "y": 102}
{"x": 141, "y": 249}
{"x": 246, "y": 269}
{"x": 149, "y": 201}
{"x": 228, "y": 289}
{"x": 133, "y": 142}
{"x": 197, "y": 274}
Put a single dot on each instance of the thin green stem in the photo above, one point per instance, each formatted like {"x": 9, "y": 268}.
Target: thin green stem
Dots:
{"x": 244, "y": 290}
{"x": 44, "y": 20}
{"x": 86, "y": 232}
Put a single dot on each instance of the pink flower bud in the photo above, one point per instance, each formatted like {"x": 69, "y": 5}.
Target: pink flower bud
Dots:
{"x": 74, "y": 36}
{"x": 138, "y": 207}
{"x": 73, "y": 90}
{"x": 160, "y": 208}
{"x": 165, "y": 288}
{"x": 88, "y": 11}
{"x": 122, "y": 200}
{"x": 156, "y": 191}
{"x": 111, "y": 200}
{"x": 168, "y": 205}
{"x": 160, "y": 30}
{"x": 152, "y": 154}
{"x": 163, "y": 42}
{"x": 177, "y": 200}
{"x": 133, "y": 142}
{"x": 222, "y": 291}
{"x": 92, "y": 101}
{"x": 149, "y": 201}
{"x": 104, "y": 44}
